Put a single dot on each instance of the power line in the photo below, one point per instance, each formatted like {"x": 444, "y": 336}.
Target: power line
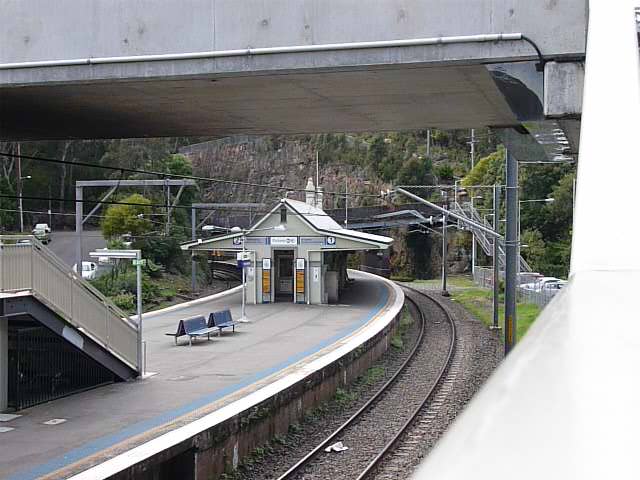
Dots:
{"x": 175, "y": 175}
{"x": 149, "y": 205}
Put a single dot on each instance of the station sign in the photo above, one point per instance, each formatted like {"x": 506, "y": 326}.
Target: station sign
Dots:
{"x": 283, "y": 241}
{"x": 330, "y": 241}
{"x": 243, "y": 256}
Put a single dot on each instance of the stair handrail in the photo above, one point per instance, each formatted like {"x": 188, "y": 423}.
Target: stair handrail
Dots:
{"x": 76, "y": 278}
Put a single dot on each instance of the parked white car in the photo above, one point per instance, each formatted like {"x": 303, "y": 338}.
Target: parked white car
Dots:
{"x": 42, "y": 226}
{"x": 89, "y": 270}
{"x": 543, "y": 284}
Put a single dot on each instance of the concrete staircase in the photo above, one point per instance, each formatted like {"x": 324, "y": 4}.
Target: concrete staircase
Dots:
{"x": 35, "y": 283}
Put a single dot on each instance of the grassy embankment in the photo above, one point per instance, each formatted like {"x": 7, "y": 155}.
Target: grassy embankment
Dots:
{"x": 478, "y": 301}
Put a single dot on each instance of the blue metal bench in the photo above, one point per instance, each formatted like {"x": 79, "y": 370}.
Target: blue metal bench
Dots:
{"x": 193, "y": 327}
{"x": 221, "y": 320}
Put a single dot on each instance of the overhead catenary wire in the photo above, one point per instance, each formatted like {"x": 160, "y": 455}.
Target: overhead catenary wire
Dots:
{"x": 149, "y": 205}
{"x": 176, "y": 175}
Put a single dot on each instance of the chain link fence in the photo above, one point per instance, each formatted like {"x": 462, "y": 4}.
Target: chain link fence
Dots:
{"x": 483, "y": 277}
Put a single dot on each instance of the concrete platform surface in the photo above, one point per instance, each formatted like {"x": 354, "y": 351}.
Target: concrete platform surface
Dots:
{"x": 190, "y": 382}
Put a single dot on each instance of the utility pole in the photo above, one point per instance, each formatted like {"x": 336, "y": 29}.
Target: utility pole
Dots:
{"x": 19, "y": 185}
{"x": 496, "y": 261}
{"x": 167, "y": 228}
{"x": 428, "y": 142}
{"x": 49, "y": 212}
{"x": 317, "y": 176}
{"x": 473, "y": 235}
{"x": 79, "y": 215}
{"x": 511, "y": 254}
{"x": 346, "y": 202}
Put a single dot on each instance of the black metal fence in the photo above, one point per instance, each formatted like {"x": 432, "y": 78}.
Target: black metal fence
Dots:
{"x": 43, "y": 367}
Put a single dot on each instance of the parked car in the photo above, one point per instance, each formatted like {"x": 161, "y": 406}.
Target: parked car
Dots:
{"x": 89, "y": 270}
{"x": 42, "y": 226}
{"x": 42, "y": 235}
{"x": 544, "y": 283}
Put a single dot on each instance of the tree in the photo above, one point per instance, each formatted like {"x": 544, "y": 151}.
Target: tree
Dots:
{"x": 133, "y": 219}
{"x": 535, "y": 249}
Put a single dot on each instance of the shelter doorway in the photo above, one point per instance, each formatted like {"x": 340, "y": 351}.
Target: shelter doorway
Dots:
{"x": 283, "y": 281}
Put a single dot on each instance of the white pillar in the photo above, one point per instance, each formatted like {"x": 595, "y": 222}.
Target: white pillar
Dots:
{"x": 4, "y": 363}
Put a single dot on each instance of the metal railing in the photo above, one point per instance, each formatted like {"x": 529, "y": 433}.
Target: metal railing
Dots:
{"x": 30, "y": 266}
{"x": 467, "y": 210}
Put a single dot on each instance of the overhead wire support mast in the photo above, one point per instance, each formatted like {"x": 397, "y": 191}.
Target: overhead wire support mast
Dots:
{"x": 449, "y": 213}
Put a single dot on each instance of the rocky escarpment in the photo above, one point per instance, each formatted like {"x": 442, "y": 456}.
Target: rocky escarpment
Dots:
{"x": 284, "y": 164}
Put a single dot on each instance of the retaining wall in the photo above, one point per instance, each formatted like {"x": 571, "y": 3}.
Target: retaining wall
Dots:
{"x": 218, "y": 442}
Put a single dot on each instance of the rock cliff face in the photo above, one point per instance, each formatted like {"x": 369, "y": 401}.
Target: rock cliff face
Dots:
{"x": 287, "y": 163}
{"x": 283, "y": 164}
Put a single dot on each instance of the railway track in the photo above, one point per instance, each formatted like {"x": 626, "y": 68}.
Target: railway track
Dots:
{"x": 381, "y": 434}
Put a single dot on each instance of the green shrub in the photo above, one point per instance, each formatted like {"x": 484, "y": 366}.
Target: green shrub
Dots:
{"x": 125, "y": 301}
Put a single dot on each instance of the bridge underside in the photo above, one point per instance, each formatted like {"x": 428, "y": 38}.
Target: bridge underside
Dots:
{"x": 398, "y": 98}
{"x": 146, "y": 69}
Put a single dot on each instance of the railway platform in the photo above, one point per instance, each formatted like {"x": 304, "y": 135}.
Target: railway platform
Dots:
{"x": 74, "y": 437}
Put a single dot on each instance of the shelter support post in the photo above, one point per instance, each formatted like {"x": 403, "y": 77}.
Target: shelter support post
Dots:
{"x": 511, "y": 257}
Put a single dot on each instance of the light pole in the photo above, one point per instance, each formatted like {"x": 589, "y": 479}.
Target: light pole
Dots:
{"x": 20, "y": 178}
{"x": 244, "y": 232}
{"x": 135, "y": 256}
{"x": 346, "y": 202}
{"x": 473, "y": 239}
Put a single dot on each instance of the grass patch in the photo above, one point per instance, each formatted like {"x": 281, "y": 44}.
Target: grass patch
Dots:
{"x": 479, "y": 303}
{"x": 460, "y": 281}
{"x": 396, "y": 341}
{"x": 372, "y": 375}
{"x": 344, "y": 397}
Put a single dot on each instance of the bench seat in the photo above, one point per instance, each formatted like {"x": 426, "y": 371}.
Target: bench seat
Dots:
{"x": 193, "y": 327}
{"x": 222, "y": 320}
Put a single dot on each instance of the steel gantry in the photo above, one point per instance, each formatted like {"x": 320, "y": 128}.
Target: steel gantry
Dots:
{"x": 113, "y": 186}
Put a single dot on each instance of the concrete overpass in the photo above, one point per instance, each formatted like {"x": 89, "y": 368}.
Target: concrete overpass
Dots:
{"x": 92, "y": 69}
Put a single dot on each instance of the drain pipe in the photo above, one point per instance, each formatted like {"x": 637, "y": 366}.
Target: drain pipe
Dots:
{"x": 329, "y": 47}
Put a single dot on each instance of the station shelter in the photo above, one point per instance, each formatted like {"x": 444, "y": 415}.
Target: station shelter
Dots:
{"x": 295, "y": 253}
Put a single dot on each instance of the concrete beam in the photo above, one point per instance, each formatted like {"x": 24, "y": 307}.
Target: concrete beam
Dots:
{"x": 134, "y": 183}
{"x": 563, "y": 86}
{"x": 337, "y": 89}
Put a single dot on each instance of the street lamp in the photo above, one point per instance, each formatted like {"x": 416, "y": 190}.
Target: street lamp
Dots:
{"x": 244, "y": 232}
{"x": 28, "y": 177}
{"x": 135, "y": 256}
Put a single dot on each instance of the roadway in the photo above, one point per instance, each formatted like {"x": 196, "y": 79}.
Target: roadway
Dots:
{"x": 63, "y": 244}
{"x": 191, "y": 381}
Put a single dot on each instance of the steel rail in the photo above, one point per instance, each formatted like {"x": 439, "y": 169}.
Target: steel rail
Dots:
{"x": 311, "y": 455}
{"x": 390, "y": 445}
